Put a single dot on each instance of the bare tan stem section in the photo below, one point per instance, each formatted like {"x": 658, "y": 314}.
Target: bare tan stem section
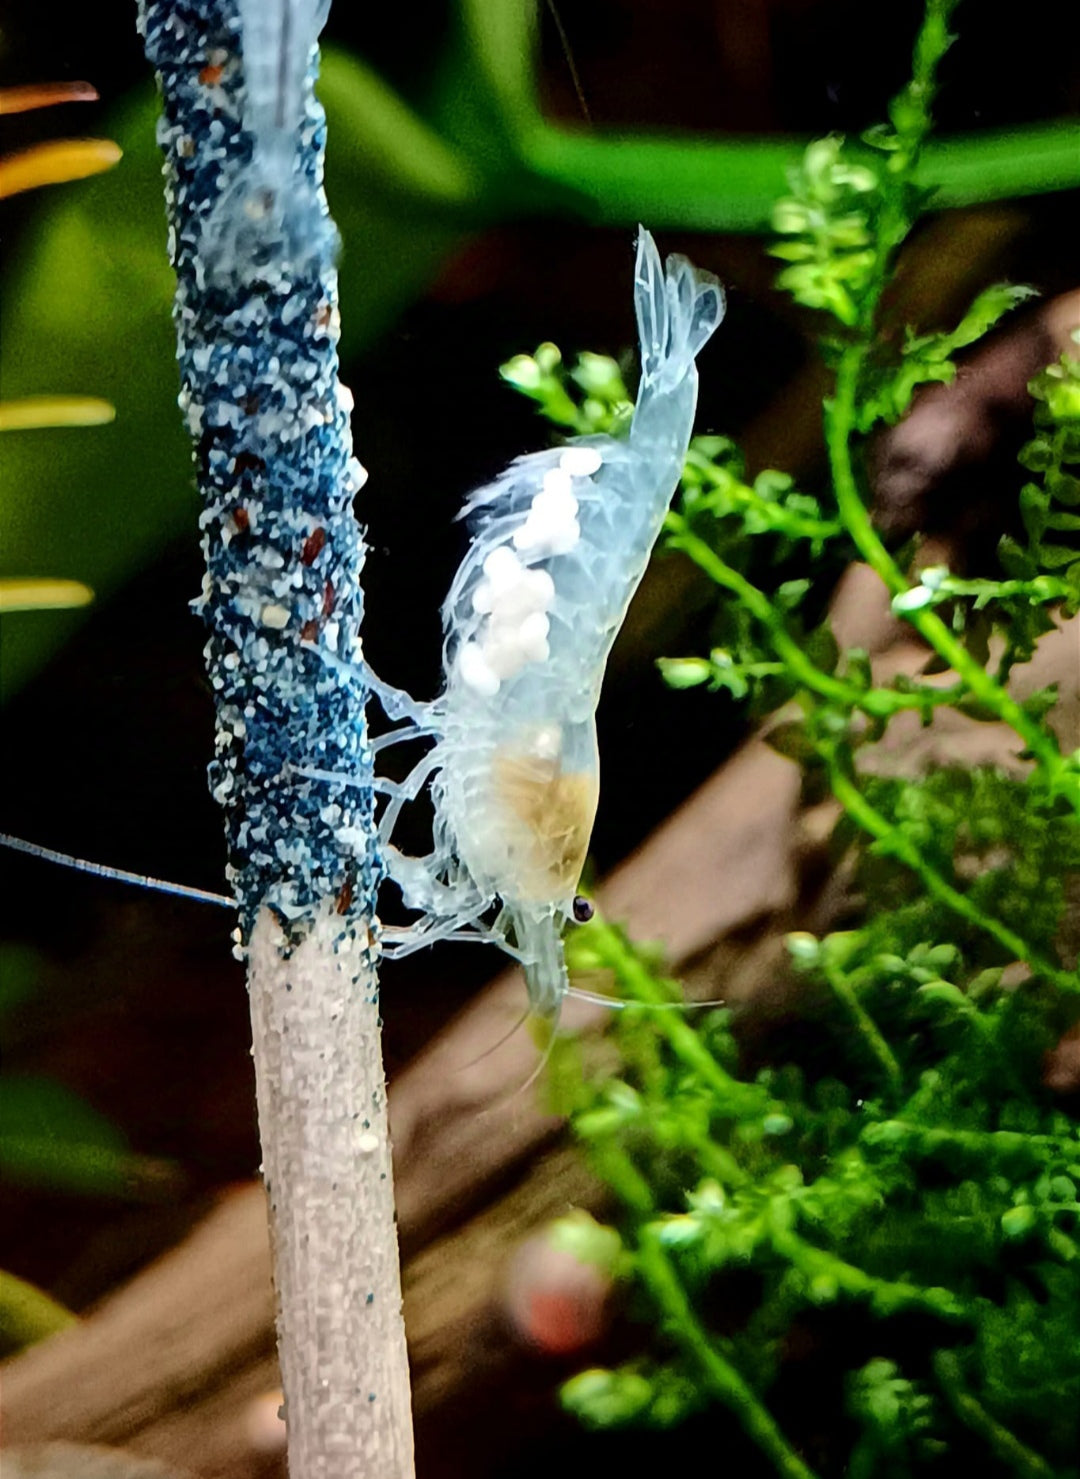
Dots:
{"x": 326, "y": 1165}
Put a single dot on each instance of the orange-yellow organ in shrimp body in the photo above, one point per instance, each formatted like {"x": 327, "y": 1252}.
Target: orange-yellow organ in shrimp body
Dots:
{"x": 559, "y": 543}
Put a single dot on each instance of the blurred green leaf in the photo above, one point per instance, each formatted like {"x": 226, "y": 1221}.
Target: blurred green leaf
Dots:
{"x": 85, "y": 310}
{"x": 87, "y": 298}
{"x": 27, "y": 1314}
{"x": 51, "y": 1138}
{"x": 20, "y": 970}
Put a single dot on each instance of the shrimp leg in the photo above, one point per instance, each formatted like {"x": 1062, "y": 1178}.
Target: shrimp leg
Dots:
{"x": 401, "y": 735}
{"x": 395, "y": 703}
{"x": 401, "y": 792}
{"x": 397, "y": 941}
{"x": 446, "y": 907}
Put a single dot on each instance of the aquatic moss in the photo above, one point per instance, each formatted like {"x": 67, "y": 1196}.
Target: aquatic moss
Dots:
{"x": 868, "y": 1251}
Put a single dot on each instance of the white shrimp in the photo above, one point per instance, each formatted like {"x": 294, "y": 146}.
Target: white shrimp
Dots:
{"x": 559, "y": 543}
{"x": 271, "y": 208}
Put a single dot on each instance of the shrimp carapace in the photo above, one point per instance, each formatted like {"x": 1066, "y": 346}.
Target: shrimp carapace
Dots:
{"x": 559, "y": 543}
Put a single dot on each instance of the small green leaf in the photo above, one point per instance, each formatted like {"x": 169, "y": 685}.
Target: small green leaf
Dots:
{"x": 1019, "y": 1221}
{"x": 587, "y": 1240}
{"x": 1015, "y": 560}
{"x": 50, "y": 1137}
{"x": 604, "y": 1399}
{"x": 685, "y": 672}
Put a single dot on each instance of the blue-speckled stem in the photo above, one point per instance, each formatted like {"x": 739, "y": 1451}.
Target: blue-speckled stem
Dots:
{"x": 256, "y": 322}
{"x": 270, "y": 425}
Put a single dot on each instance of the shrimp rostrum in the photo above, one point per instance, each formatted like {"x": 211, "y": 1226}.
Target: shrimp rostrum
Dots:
{"x": 559, "y": 543}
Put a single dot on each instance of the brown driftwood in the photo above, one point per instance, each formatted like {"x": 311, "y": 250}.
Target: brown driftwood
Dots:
{"x": 80, "y": 1461}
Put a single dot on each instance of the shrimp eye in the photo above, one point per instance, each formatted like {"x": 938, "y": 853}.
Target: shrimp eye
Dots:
{"x": 583, "y": 909}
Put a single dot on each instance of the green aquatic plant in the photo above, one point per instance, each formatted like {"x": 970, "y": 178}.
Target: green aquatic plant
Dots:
{"x": 899, "y": 1191}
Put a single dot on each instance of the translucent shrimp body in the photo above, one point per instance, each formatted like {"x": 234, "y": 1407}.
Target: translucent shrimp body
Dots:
{"x": 272, "y": 212}
{"x": 560, "y": 541}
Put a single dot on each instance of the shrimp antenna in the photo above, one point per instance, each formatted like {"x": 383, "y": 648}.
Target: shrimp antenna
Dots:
{"x": 549, "y": 1048}
{"x": 564, "y": 42}
{"x": 496, "y": 1045}
{"x": 120, "y": 875}
{"x": 619, "y": 1004}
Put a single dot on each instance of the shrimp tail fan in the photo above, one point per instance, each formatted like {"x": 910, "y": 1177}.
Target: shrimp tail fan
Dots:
{"x": 678, "y": 308}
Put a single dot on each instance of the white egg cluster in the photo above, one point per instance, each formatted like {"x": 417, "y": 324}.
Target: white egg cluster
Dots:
{"x": 515, "y": 600}
{"x": 551, "y": 526}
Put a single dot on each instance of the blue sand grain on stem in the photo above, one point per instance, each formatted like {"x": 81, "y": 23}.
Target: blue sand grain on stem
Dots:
{"x": 256, "y": 320}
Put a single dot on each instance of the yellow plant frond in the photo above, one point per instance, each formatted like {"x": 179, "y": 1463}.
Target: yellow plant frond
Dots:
{"x": 42, "y": 594}
{"x": 55, "y": 162}
{"x": 31, "y": 412}
{"x": 45, "y": 95}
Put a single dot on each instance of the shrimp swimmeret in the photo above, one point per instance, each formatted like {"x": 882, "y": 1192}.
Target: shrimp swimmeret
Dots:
{"x": 559, "y": 543}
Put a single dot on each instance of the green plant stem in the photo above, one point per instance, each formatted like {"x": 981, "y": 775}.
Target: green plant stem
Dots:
{"x": 835, "y": 689}
{"x": 871, "y": 820}
{"x": 720, "y": 1376}
{"x": 867, "y": 1029}
{"x": 1001, "y": 1442}
{"x": 840, "y": 420}
{"x": 613, "y": 953}
{"x": 913, "y": 121}
{"x": 878, "y": 703}
{"x": 778, "y": 518}
{"x": 981, "y": 1145}
{"x": 841, "y": 412}
{"x": 886, "y": 1296}
{"x": 716, "y": 1160}
{"x": 618, "y": 1170}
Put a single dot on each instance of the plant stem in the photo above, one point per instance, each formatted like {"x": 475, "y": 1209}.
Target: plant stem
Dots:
{"x": 720, "y": 1376}
{"x": 981, "y": 1145}
{"x": 913, "y": 109}
{"x": 828, "y": 687}
{"x": 840, "y": 420}
{"x": 866, "y": 1027}
{"x": 899, "y": 846}
{"x": 1002, "y": 1443}
{"x": 612, "y": 952}
{"x": 887, "y": 1296}
{"x": 256, "y": 320}
{"x": 876, "y": 702}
